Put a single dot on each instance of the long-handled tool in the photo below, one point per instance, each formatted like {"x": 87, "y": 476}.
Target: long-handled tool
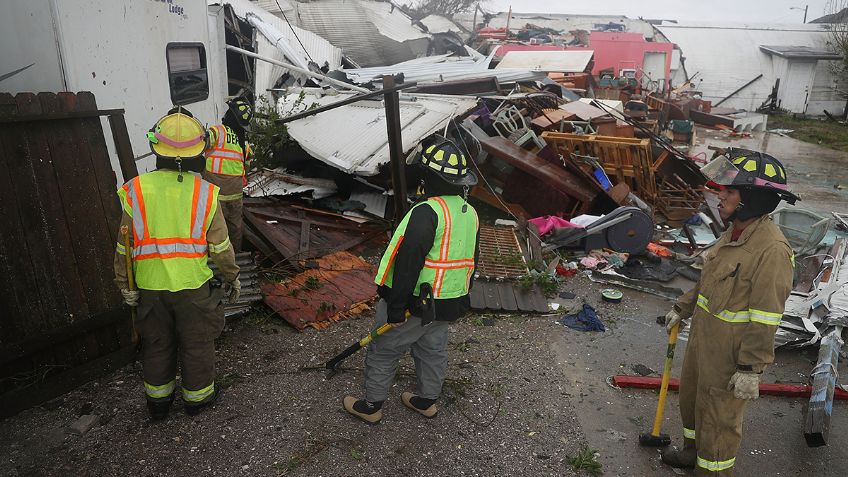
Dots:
{"x": 136, "y": 339}
{"x": 655, "y": 438}
{"x": 428, "y": 312}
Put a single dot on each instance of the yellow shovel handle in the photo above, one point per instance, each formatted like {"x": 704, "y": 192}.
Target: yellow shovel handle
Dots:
{"x": 669, "y": 359}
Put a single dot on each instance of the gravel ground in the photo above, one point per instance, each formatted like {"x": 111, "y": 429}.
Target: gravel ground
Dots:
{"x": 505, "y": 411}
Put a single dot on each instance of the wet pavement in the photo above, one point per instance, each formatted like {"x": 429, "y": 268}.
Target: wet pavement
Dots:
{"x": 611, "y": 418}
{"x": 817, "y": 174}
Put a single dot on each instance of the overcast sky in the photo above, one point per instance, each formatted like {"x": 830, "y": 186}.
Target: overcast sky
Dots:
{"x": 759, "y": 11}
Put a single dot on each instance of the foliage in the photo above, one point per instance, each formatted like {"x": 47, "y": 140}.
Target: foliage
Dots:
{"x": 838, "y": 36}
{"x": 546, "y": 283}
{"x": 267, "y": 137}
{"x": 418, "y": 9}
{"x": 586, "y": 461}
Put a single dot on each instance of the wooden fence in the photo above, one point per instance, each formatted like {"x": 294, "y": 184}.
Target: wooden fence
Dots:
{"x": 62, "y": 322}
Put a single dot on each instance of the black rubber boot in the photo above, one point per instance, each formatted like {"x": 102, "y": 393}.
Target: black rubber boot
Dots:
{"x": 681, "y": 458}
{"x": 195, "y": 409}
{"x": 370, "y": 412}
{"x": 159, "y": 409}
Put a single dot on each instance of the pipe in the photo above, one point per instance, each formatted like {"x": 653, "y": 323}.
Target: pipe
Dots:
{"x": 311, "y": 74}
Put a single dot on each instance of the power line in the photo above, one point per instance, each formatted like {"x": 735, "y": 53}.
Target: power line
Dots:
{"x": 294, "y": 32}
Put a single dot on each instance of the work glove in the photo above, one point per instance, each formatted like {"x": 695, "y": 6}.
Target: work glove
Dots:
{"x": 671, "y": 319}
{"x": 745, "y": 385}
{"x": 232, "y": 290}
{"x": 130, "y": 296}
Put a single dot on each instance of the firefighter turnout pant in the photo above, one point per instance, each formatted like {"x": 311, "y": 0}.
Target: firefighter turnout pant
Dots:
{"x": 184, "y": 325}
{"x": 232, "y": 211}
{"x": 711, "y": 414}
{"x": 428, "y": 345}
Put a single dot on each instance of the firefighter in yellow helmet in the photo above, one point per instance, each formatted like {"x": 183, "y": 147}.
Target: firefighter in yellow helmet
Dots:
{"x": 226, "y": 162}
{"x": 434, "y": 244}
{"x": 735, "y": 308}
{"x": 176, "y": 225}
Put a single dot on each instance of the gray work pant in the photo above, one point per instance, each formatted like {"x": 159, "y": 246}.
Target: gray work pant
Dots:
{"x": 429, "y": 347}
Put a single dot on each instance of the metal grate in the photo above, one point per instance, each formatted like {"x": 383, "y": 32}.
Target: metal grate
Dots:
{"x": 500, "y": 253}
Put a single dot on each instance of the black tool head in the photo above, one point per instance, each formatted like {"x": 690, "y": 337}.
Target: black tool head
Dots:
{"x": 646, "y": 439}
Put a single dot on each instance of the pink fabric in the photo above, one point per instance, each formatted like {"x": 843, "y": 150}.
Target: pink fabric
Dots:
{"x": 550, "y": 222}
{"x": 178, "y": 144}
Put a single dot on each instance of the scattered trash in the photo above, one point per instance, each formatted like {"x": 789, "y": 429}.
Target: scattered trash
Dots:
{"x": 585, "y": 320}
{"x": 611, "y": 295}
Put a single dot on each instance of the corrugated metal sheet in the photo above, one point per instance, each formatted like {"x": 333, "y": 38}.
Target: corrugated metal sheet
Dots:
{"x": 353, "y": 137}
{"x": 728, "y": 56}
{"x": 276, "y": 182}
{"x": 561, "y": 22}
{"x": 442, "y": 68}
{"x": 319, "y": 50}
{"x": 273, "y": 6}
{"x": 440, "y": 24}
{"x": 369, "y": 32}
{"x": 547, "y": 61}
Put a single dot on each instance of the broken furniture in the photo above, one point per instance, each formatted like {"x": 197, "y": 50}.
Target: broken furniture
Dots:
{"x": 802, "y": 228}
{"x": 509, "y": 123}
{"x": 626, "y": 229}
{"x": 286, "y": 230}
{"x": 534, "y": 185}
{"x": 501, "y": 264}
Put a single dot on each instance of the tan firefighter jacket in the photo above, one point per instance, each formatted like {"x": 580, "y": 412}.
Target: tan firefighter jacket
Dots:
{"x": 739, "y": 300}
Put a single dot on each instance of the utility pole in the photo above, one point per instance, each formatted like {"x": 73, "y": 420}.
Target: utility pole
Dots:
{"x": 806, "y": 7}
{"x": 396, "y": 159}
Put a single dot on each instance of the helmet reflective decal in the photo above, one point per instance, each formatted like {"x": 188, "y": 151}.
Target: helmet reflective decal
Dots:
{"x": 750, "y": 166}
{"x": 770, "y": 170}
{"x": 453, "y": 160}
{"x": 739, "y": 160}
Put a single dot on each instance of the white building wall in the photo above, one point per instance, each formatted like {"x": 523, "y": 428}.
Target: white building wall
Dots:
{"x": 824, "y": 95}
{"x": 27, "y": 36}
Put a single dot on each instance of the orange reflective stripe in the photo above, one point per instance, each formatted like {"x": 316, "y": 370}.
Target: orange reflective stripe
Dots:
{"x": 136, "y": 183}
{"x": 391, "y": 261}
{"x": 445, "y": 246}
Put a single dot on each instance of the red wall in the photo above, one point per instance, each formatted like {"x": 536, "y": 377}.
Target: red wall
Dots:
{"x": 624, "y": 50}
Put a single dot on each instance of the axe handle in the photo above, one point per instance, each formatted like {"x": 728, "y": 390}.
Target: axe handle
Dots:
{"x": 358, "y": 345}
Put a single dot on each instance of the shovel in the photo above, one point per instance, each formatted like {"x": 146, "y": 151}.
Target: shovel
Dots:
{"x": 429, "y": 315}
{"x": 655, "y": 438}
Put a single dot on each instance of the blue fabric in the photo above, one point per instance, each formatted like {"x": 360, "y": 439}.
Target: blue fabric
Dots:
{"x": 694, "y": 220}
{"x": 602, "y": 178}
{"x": 586, "y": 320}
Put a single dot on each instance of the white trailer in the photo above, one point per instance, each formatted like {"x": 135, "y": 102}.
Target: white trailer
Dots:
{"x": 140, "y": 55}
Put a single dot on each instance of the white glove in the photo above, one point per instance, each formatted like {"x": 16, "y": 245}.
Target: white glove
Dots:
{"x": 130, "y": 296}
{"x": 232, "y": 290}
{"x": 745, "y": 385}
{"x": 671, "y": 319}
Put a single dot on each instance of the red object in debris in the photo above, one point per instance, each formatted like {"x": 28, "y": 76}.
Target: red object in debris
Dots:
{"x": 565, "y": 272}
{"x": 338, "y": 286}
{"x": 492, "y": 33}
{"x": 660, "y": 250}
{"x": 766, "y": 389}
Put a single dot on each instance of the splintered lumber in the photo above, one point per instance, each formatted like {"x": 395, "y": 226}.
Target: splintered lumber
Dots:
{"x": 820, "y": 409}
{"x": 766, "y": 389}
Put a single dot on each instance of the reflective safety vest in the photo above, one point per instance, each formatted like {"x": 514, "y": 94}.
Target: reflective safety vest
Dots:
{"x": 225, "y": 156}
{"x": 449, "y": 263}
{"x": 169, "y": 222}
